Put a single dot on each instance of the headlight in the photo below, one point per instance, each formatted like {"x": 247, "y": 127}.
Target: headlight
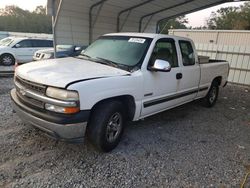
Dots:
{"x": 62, "y": 94}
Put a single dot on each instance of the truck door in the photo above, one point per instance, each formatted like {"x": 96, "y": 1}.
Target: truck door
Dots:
{"x": 160, "y": 87}
{"x": 190, "y": 72}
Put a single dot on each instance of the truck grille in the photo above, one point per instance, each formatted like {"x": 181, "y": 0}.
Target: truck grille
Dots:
{"x": 29, "y": 101}
{"x": 36, "y": 88}
{"x": 31, "y": 86}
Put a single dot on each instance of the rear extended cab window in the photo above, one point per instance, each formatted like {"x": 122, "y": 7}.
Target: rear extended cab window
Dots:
{"x": 187, "y": 52}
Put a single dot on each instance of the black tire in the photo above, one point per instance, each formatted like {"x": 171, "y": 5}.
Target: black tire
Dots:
{"x": 102, "y": 125}
{"x": 7, "y": 60}
{"x": 212, "y": 95}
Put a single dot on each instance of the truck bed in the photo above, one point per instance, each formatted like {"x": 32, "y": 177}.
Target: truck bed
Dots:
{"x": 213, "y": 69}
{"x": 205, "y": 60}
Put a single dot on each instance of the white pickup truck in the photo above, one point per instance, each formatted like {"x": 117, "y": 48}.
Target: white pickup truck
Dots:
{"x": 120, "y": 77}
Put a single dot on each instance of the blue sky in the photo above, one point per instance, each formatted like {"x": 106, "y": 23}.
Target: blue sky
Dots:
{"x": 195, "y": 19}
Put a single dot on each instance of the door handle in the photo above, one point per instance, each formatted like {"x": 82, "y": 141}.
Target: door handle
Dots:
{"x": 179, "y": 76}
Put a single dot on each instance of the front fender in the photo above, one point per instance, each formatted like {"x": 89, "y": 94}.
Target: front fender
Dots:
{"x": 95, "y": 90}
{"x": 7, "y": 51}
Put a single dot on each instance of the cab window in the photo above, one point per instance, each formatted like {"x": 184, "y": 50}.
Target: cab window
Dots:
{"x": 187, "y": 52}
{"x": 165, "y": 49}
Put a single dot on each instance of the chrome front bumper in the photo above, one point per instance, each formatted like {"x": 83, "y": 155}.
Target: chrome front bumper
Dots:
{"x": 72, "y": 132}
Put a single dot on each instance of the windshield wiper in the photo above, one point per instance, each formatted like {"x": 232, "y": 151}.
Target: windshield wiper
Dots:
{"x": 114, "y": 64}
{"x": 100, "y": 60}
{"x": 107, "y": 62}
{"x": 85, "y": 56}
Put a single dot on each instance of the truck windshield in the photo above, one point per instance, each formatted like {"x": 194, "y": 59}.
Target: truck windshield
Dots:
{"x": 120, "y": 50}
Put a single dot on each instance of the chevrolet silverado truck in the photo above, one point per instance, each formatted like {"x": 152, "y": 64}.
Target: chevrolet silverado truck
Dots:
{"x": 120, "y": 77}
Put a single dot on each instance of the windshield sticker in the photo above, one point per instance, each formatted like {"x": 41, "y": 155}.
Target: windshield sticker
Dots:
{"x": 137, "y": 40}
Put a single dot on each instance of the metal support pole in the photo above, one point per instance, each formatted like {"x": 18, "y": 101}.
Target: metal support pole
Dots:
{"x": 55, "y": 15}
{"x": 128, "y": 10}
{"x": 53, "y": 27}
{"x": 91, "y": 19}
{"x": 124, "y": 22}
{"x": 146, "y": 25}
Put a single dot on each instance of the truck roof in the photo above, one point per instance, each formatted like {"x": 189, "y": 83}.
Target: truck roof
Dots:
{"x": 148, "y": 35}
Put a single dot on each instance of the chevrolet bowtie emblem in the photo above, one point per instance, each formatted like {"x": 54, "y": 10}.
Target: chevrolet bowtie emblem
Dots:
{"x": 22, "y": 91}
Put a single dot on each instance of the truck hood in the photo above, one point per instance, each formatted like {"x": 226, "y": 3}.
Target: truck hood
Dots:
{"x": 61, "y": 72}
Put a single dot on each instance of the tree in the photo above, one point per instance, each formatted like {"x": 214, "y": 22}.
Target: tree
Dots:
{"x": 13, "y": 18}
{"x": 177, "y": 23}
{"x": 231, "y": 18}
{"x": 40, "y": 10}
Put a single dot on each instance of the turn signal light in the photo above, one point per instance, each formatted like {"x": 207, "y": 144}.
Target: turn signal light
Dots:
{"x": 63, "y": 110}
{"x": 71, "y": 110}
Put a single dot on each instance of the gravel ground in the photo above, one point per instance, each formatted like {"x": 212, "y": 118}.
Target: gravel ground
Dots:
{"x": 190, "y": 146}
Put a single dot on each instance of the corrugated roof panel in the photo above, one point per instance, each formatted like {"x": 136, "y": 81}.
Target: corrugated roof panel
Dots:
{"x": 74, "y": 16}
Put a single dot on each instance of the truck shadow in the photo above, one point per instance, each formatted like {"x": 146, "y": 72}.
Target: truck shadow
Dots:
{"x": 144, "y": 131}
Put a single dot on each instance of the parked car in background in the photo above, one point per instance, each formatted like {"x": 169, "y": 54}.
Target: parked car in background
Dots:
{"x": 119, "y": 77}
{"x": 21, "y": 49}
{"x": 62, "y": 51}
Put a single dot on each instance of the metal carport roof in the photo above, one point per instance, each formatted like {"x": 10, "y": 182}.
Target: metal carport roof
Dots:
{"x": 82, "y": 21}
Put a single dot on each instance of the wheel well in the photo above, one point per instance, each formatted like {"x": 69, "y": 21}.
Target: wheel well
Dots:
{"x": 128, "y": 102}
{"x": 7, "y": 54}
{"x": 218, "y": 80}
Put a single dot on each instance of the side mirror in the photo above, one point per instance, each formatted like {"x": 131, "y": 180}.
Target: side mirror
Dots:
{"x": 77, "y": 48}
{"x": 17, "y": 45}
{"x": 160, "y": 66}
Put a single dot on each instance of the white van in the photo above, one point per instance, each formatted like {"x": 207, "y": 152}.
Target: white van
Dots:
{"x": 21, "y": 49}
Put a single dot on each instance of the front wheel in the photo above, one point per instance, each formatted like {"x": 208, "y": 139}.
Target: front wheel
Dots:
{"x": 212, "y": 95}
{"x": 106, "y": 125}
{"x": 7, "y": 60}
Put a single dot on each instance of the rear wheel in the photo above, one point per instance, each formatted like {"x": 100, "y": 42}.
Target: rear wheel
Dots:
{"x": 212, "y": 95}
{"x": 7, "y": 60}
{"x": 106, "y": 125}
